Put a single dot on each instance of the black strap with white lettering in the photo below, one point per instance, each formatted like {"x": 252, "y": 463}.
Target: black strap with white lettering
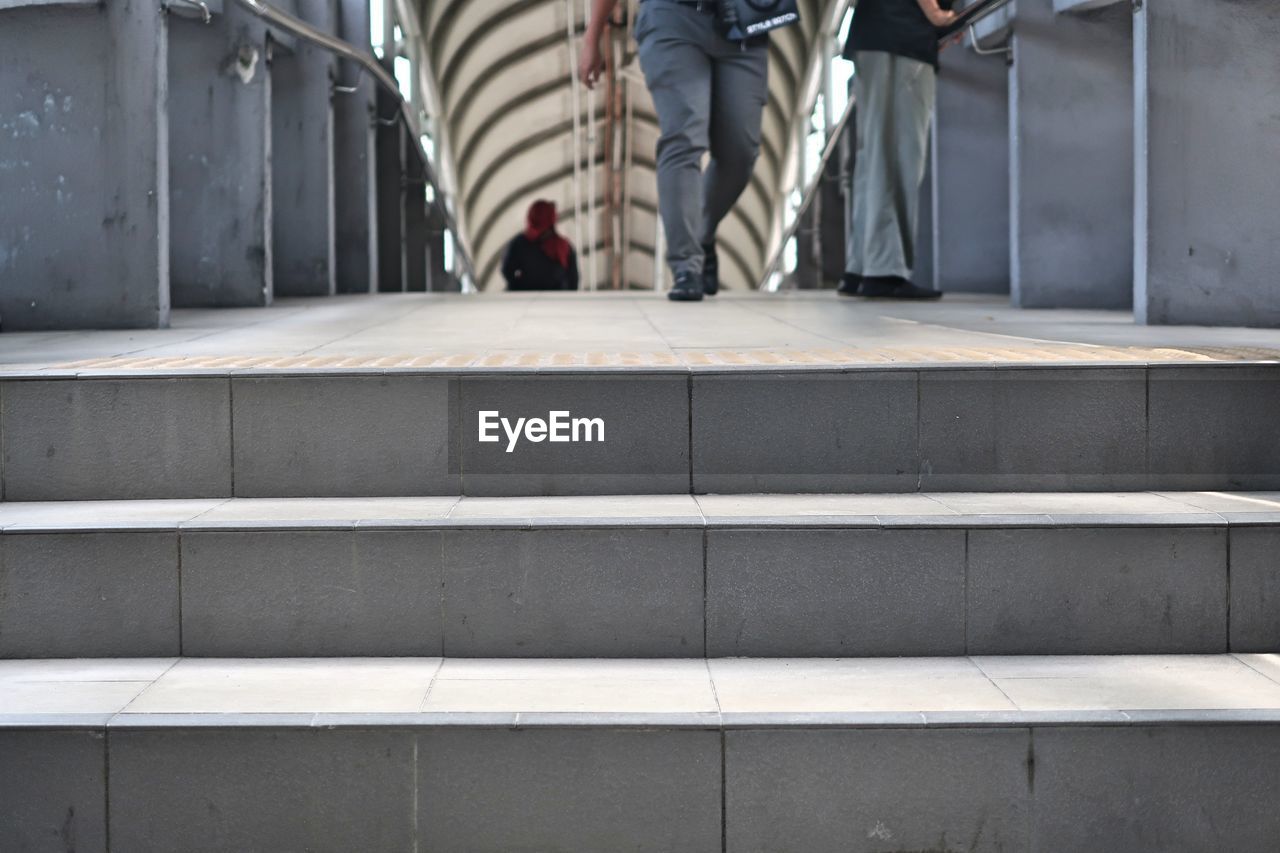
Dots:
{"x": 742, "y": 20}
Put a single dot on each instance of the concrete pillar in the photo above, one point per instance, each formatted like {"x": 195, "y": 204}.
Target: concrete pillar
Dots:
{"x": 415, "y": 219}
{"x": 1207, "y": 82}
{"x": 970, "y": 183}
{"x": 84, "y": 149}
{"x": 220, "y": 161}
{"x": 417, "y": 239}
{"x": 1071, "y": 173}
{"x": 831, "y": 223}
{"x": 390, "y": 191}
{"x": 302, "y": 171}
{"x": 355, "y": 211}
{"x": 438, "y": 279}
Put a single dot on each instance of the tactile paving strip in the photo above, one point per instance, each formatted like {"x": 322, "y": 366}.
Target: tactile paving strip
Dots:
{"x": 775, "y": 357}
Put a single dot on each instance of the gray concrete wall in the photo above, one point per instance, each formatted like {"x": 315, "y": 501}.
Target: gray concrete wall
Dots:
{"x": 302, "y": 168}
{"x": 1208, "y": 153}
{"x": 355, "y": 214}
{"x": 971, "y": 183}
{"x": 84, "y": 222}
{"x": 220, "y": 161}
{"x": 1071, "y": 171}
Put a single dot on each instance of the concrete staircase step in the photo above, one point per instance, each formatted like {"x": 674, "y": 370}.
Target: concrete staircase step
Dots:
{"x": 994, "y": 753}
{"x": 223, "y": 432}
{"x": 665, "y": 576}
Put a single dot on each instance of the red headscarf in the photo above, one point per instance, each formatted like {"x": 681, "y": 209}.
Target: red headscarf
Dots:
{"x": 540, "y": 228}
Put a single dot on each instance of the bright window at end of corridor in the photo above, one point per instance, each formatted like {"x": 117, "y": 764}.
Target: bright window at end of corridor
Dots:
{"x": 377, "y": 26}
{"x": 404, "y": 76}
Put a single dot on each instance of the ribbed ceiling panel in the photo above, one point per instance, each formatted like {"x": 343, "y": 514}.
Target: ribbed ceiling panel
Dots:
{"x": 504, "y": 73}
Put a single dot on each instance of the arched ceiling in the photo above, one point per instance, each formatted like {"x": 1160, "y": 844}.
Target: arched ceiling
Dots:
{"x": 503, "y": 72}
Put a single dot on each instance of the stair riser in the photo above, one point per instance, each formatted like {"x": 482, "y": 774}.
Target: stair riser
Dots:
{"x": 903, "y": 430}
{"x": 1100, "y": 788}
{"x": 682, "y": 592}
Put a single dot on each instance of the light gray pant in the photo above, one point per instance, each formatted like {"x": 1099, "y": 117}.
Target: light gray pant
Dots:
{"x": 710, "y": 95}
{"x": 895, "y": 98}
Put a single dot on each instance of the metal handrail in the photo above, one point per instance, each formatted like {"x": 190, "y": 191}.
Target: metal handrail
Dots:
{"x": 969, "y": 16}
{"x": 205, "y": 14}
{"x": 810, "y": 191}
{"x": 346, "y": 50}
{"x": 303, "y": 30}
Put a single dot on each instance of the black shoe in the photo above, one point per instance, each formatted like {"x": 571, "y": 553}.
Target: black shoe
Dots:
{"x": 688, "y": 288}
{"x": 710, "y": 270}
{"x": 850, "y": 284}
{"x": 896, "y": 287}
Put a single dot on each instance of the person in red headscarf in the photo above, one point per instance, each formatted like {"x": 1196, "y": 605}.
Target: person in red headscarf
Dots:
{"x": 539, "y": 258}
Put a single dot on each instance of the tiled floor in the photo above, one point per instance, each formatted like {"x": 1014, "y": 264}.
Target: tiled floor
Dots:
{"x": 616, "y": 330}
{"x": 775, "y": 687}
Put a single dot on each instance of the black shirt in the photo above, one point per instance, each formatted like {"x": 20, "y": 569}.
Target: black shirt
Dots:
{"x": 526, "y": 267}
{"x": 899, "y": 27}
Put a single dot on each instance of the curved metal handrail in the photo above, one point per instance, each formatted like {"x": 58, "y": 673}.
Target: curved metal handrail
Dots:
{"x": 810, "y": 191}
{"x": 346, "y": 50}
{"x": 205, "y": 14}
{"x": 969, "y": 16}
{"x": 303, "y": 30}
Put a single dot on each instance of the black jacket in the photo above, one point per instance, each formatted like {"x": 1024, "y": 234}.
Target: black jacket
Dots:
{"x": 526, "y": 267}
{"x": 899, "y": 27}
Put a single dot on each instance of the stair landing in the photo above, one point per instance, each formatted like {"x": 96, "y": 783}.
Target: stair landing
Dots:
{"x": 417, "y": 332}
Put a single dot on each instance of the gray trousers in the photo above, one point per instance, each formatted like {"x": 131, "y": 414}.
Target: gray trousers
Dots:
{"x": 895, "y": 98}
{"x": 710, "y": 95}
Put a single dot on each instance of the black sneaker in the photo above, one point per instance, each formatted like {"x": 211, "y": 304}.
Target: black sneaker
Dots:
{"x": 896, "y": 287}
{"x": 850, "y": 284}
{"x": 710, "y": 270}
{"x": 688, "y": 288}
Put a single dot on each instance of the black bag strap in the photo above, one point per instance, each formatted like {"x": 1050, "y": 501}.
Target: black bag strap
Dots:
{"x": 741, "y": 20}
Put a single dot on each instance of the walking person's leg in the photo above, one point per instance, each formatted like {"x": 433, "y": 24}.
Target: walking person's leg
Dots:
{"x": 678, "y": 73}
{"x": 739, "y": 90}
